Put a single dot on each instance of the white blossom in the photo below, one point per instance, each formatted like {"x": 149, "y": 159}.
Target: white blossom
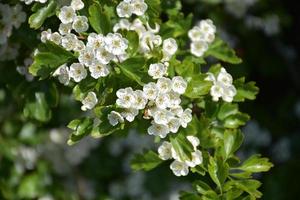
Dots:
{"x": 179, "y": 85}
{"x": 86, "y": 57}
{"x": 69, "y": 41}
{"x": 115, "y": 118}
{"x": 62, "y": 73}
{"x": 140, "y": 100}
{"x": 164, "y": 150}
{"x": 150, "y": 91}
{"x": 56, "y": 38}
{"x": 80, "y": 24}
{"x": 199, "y": 48}
{"x": 186, "y": 117}
{"x": 45, "y": 35}
{"x": 77, "y": 4}
{"x": 162, "y": 100}
{"x": 158, "y": 130}
{"x": 157, "y": 70}
{"x": 64, "y": 29}
{"x": 89, "y": 101}
{"x": 126, "y": 98}
{"x": 164, "y": 85}
{"x": 169, "y": 48}
{"x": 103, "y": 56}
{"x": 116, "y": 44}
{"x": 124, "y": 9}
{"x": 174, "y": 124}
{"x": 197, "y": 159}
{"x": 179, "y": 168}
{"x": 162, "y": 116}
{"x": 66, "y": 14}
{"x": 99, "y": 70}
{"x": 139, "y": 7}
{"x": 193, "y": 140}
{"x": 130, "y": 114}
{"x": 78, "y": 72}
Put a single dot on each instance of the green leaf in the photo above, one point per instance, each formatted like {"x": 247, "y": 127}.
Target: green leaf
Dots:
{"x": 146, "y": 161}
{"x": 37, "y": 19}
{"x": 249, "y": 186}
{"x": 99, "y": 19}
{"x": 197, "y": 86}
{"x": 218, "y": 171}
{"x": 220, "y": 50}
{"x": 134, "y": 69}
{"x": 30, "y": 187}
{"x": 201, "y": 187}
{"x": 227, "y": 109}
{"x": 182, "y": 147}
{"x": 153, "y": 10}
{"x": 81, "y": 128}
{"x": 256, "y": 164}
{"x": 38, "y": 108}
{"x": 245, "y": 90}
{"x": 49, "y": 57}
{"x": 188, "y": 196}
{"x": 232, "y": 141}
{"x": 133, "y": 40}
{"x": 234, "y": 121}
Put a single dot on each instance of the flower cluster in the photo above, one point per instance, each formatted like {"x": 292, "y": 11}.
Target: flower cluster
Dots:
{"x": 222, "y": 86}
{"x": 96, "y": 54}
{"x": 128, "y": 7}
{"x": 201, "y": 36}
{"x": 10, "y": 16}
{"x": 160, "y": 102}
{"x": 178, "y": 166}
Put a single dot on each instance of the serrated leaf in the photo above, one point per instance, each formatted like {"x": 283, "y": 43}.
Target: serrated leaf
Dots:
{"x": 232, "y": 141}
{"x": 81, "y": 128}
{"x": 197, "y": 86}
{"x": 227, "y": 109}
{"x": 146, "y": 161}
{"x": 49, "y": 57}
{"x": 234, "y": 121}
{"x": 245, "y": 90}
{"x": 256, "y": 164}
{"x": 134, "y": 69}
{"x": 220, "y": 50}
{"x": 99, "y": 19}
{"x": 201, "y": 187}
{"x": 37, "y": 19}
{"x": 218, "y": 171}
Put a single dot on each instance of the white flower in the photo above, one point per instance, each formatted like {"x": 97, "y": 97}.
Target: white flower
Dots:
{"x": 63, "y": 74}
{"x": 138, "y": 27}
{"x": 69, "y": 41}
{"x": 229, "y": 93}
{"x": 86, "y": 57}
{"x": 56, "y": 38}
{"x": 124, "y": 9}
{"x": 103, "y": 56}
{"x": 186, "y": 117}
{"x": 140, "y": 100}
{"x": 162, "y": 116}
{"x": 162, "y": 100}
{"x": 123, "y": 24}
{"x": 178, "y": 110}
{"x": 196, "y": 34}
{"x": 130, "y": 114}
{"x": 95, "y": 41}
{"x": 126, "y": 97}
{"x": 170, "y": 46}
{"x": 158, "y": 130}
{"x": 224, "y": 77}
{"x": 179, "y": 85}
{"x": 199, "y": 48}
{"x": 45, "y": 35}
{"x": 208, "y": 29}
{"x": 79, "y": 46}
{"x": 197, "y": 159}
{"x": 77, "y": 72}
{"x": 89, "y": 101}
{"x": 66, "y": 14}
{"x": 164, "y": 85}
{"x": 77, "y": 4}
{"x": 148, "y": 41}
{"x": 150, "y": 91}
{"x": 194, "y": 141}
{"x": 157, "y": 70}
{"x": 115, "y": 118}
{"x": 164, "y": 150}
{"x": 179, "y": 168}
{"x": 80, "y": 24}
{"x": 174, "y": 124}
{"x": 139, "y": 7}
{"x": 18, "y": 16}
{"x": 216, "y": 91}
{"x": 116, "y": 44}
{"x": 99, "y": 70}
{"x": 64, "y": 29}
{"x": 174, "y": 99}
